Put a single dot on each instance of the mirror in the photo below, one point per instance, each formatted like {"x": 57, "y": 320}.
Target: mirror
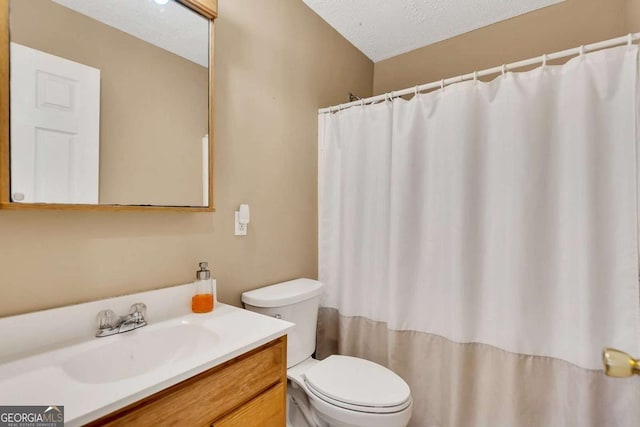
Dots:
{"x": 109, "y": 103}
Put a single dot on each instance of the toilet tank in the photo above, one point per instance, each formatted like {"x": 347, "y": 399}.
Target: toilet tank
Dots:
{"x": 296, "y": 301}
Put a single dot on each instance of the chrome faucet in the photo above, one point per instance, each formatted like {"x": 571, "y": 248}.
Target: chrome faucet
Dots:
{"x": 109, "y": 323}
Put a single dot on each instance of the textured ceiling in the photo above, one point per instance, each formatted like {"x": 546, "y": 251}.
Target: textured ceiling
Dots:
{"x": 385, "y": 28}
{"x": 171, "y": 26}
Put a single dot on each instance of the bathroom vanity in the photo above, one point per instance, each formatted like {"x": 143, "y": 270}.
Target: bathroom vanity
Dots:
{"x": 225, "y": 368}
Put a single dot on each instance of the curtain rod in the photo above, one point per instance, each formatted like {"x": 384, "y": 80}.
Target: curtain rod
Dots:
{"x": 630, "y": 38}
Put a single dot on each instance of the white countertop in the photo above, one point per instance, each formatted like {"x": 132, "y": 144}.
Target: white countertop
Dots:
{"x": 48, "y": 378}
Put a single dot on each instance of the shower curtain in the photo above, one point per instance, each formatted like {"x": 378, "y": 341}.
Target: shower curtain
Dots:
{"x": 482, "y": 242}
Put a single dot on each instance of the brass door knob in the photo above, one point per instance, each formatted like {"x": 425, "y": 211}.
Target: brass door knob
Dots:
{"x": 619, "y": 364}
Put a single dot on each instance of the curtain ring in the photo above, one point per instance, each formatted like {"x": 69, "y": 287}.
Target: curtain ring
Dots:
{"x": 504, "y": 69}
{"x": 415, "y": 92}
{"x": 582, "y": 51}
{"x": 544, "y": 60}
{"x": 475, "y": 76}
{"x": 442, "y": 84}
{"x": 362, "y": 102}
{"x": 629, "y": 39}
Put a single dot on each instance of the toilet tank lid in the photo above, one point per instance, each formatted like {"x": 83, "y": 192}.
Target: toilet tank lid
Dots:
{"x": 284, "y": 293}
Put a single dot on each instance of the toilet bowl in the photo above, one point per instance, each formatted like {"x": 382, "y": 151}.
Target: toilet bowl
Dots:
{"x": 339, "y": 391}
{"x": 348, "y": 391}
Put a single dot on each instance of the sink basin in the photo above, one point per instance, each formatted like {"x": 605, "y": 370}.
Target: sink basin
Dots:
{"x": 138, "y": 352}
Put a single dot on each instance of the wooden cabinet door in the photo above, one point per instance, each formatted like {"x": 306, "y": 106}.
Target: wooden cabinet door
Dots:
{"x": 266, "y": 410}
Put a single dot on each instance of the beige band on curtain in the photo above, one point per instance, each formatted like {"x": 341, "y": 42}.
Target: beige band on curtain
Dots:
{"x": 477, "y": 385}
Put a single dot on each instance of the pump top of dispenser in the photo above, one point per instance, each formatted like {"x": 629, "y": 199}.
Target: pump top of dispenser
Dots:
{"x": 203, "y": 273}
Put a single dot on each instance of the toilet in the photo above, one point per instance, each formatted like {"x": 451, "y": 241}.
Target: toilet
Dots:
{"x": 339, "y": 391}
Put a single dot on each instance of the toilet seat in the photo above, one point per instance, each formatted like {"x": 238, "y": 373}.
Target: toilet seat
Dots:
{"x": 359, "y": 408}
{"x": 357, "y": 385}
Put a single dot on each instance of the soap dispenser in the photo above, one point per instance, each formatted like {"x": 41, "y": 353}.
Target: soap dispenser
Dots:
{"x": 203, "y": 298}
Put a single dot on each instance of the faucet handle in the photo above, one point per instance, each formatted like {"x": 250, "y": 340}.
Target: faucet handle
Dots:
{"x": 139, "y": 311}
{"x": 107, "y": 319}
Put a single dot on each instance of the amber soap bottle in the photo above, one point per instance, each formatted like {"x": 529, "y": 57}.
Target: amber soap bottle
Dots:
{"x": 202, "y": 300}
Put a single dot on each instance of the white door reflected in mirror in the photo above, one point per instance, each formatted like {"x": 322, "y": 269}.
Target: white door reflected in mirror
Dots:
{"x": 55, "y": 128}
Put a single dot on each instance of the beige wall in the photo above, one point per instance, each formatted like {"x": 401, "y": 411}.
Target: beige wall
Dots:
{"x": 633, "y": 16}
{"x": 276, "y": 63}
{"x": 565, "y": 25}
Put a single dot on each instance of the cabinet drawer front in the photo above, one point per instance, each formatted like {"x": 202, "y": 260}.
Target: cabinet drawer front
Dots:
{"x": 266, "y": 410}
{"x": 207, "y": 396}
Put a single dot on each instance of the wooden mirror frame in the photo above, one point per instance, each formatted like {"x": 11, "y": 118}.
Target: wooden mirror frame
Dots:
{"x": 206, "y": 8}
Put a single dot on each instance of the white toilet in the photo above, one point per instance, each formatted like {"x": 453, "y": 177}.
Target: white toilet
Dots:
{"x": 339, "y": 391}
